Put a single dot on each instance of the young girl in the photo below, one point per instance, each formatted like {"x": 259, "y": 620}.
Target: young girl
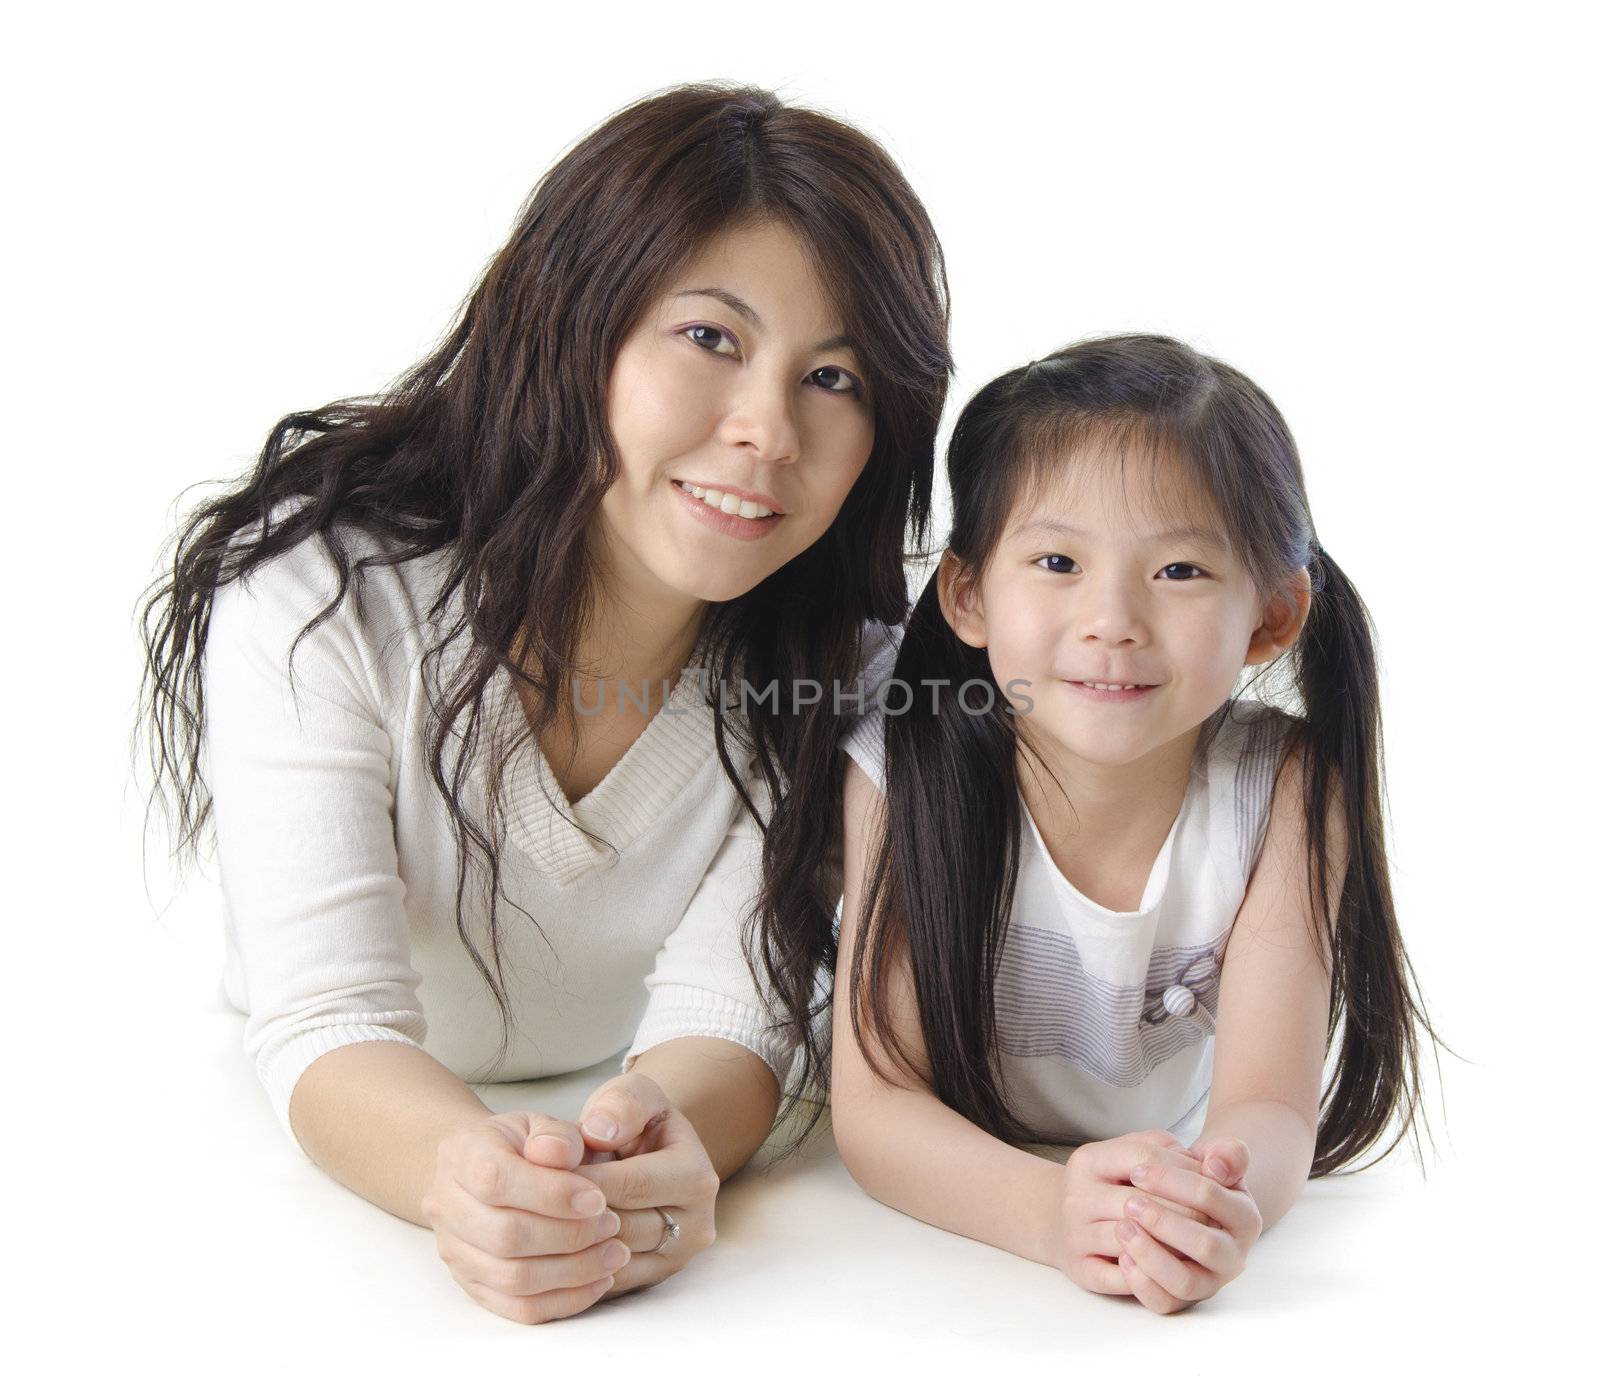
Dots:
{"x": 1093, "y": 894}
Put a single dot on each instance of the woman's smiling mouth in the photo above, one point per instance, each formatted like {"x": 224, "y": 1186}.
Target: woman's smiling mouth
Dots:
{"x": 738, "y": 514}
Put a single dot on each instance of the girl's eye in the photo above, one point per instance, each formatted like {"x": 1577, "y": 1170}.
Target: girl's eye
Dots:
{"x": 836, "y": 381}
{"x": 1056, "y": 562}
{"x": 1192, "y": 568}
{"x": 711, "y": 338}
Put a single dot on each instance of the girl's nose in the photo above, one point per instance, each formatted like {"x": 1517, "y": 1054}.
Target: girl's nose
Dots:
{"x": 762, "y": 418}
{"x": 1109, "y": 615}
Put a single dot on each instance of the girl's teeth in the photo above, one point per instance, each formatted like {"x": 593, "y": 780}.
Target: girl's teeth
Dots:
{"x": 728, "y": 503}
{"x": 1115, "y": 687}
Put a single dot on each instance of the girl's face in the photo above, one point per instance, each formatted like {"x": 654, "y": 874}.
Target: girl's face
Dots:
{"x": 740, "y": 413}
{"x": 1085, "y": 587}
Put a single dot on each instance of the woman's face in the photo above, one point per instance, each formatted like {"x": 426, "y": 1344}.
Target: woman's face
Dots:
{"x": 735, "y": 395}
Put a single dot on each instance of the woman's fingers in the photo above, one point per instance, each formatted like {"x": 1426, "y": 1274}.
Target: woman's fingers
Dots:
{"x": 642, "y": 1231}
{"x": 508, "y": 1232}
{"x": 558, "y": 1303}
{"x": 1234, "y": 1210}
{"x": 1183, "y": 1280}
{"x": 620, "y": 1111}
{"x": 490, "y": 1164}
{"x": 522, "y": 1232}
{"x": 556, "y": 1144}
{"x": 525, "y": 1276}
{"x": 676, "y": 1174}
{"x": 507, "y": 1180}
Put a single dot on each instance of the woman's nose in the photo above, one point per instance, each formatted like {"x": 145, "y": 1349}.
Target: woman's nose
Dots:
{"x": 762, "y": 417}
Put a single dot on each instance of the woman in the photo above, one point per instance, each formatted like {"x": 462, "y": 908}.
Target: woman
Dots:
{"x": 428, "y": 659}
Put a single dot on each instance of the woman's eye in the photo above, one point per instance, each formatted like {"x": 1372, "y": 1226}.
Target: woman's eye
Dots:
{"x": 1056, "y": 562}
{"x": 712, "y": 339}
{"x": 836, "y": 381}
{"x": 1191, "y": 567}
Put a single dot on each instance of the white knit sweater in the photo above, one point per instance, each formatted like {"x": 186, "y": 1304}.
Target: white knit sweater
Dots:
{"x": 338, "y": 866}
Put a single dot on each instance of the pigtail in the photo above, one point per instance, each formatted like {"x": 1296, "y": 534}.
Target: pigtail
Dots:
{"x": 1377, "y": 1074}
{"x": 939, "y": 895}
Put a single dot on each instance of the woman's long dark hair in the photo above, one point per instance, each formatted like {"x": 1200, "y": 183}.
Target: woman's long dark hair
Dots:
{"x": 495, "y": 447}
{"x": 953, "y": 778}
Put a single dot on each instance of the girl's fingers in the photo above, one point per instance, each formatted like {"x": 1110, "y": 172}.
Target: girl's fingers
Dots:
{"x": 558, "y": 1303}
{"x": 1146, "y": 1290}
{"x": 1100, "y": 1274}
{"x": 1231, "y": 1208}
{"x": 1110, "y": 1160}
{"x": 1102, "y": 1240}
{"x": 1182, "y": 1279}
{"x": 1207, "y": 1245}
{"x": 1110, "y": 1203}
{"x": 1224, "y": 1159}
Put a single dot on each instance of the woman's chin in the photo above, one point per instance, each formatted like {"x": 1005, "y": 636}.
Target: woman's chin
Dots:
{"x": 723, "y": 583}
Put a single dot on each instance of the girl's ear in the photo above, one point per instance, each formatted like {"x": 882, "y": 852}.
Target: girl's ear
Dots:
{"x": 1282, "y": 619}
{"x": 961, "y": 601}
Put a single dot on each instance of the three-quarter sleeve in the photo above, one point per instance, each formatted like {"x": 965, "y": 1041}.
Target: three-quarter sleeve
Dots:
{"x": 862, "y": 736}
{"x": 701, "y": 983}
{"x": 299, "y": 775}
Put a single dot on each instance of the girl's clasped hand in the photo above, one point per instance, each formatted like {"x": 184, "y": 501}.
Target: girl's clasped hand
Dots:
{"x": 1142, "y": 1215}
{"x": 539, "y": 1218}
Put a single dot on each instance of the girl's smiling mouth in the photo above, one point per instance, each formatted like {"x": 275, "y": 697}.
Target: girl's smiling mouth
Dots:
{"x": 1113, "y": 692}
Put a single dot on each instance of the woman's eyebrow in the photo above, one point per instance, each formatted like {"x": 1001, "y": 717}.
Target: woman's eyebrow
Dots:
{"x": 841, "y": 341}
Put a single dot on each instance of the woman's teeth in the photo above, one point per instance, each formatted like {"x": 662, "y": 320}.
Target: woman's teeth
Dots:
{"x": 1115, "y": 687}
{"x": 728, "y": 504}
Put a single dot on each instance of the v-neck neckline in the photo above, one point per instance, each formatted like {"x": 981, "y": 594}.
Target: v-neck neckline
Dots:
{"x": 568, "y": 841}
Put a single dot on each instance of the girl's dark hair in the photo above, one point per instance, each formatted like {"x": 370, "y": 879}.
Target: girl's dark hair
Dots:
{"x": 495, "y": 447}
{"x": 952, "y": 778}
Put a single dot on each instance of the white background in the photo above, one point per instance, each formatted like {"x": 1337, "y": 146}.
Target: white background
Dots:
{"x": 221, "y": 213}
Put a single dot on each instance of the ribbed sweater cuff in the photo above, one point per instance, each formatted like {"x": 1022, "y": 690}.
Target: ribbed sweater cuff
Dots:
{"x": 677, "y": 1012}
{"x": 280, "y": 1067}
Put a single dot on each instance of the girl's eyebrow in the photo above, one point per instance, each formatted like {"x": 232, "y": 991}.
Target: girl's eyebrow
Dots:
{"x": 1187, "y": 534}
{"x": 839, "y": 342}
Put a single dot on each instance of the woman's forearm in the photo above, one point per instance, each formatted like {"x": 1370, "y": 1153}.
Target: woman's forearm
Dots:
{"x": 372, "y": 1116}
{"x": 726, "y": 1091}
{"x": 1281, "y": 1148}
{"x": 908, "y": 1149}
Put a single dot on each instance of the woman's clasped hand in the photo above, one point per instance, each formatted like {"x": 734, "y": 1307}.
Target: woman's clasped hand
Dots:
{"x": 539, "y": 1218}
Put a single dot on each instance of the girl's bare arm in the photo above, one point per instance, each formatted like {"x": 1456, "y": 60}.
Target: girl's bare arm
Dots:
{"x": 1273, "y": 1008}
{"x": 902, "y": 1144}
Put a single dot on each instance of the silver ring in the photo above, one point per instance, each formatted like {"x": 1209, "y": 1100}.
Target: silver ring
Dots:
{"x": 670, "y": 1232}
